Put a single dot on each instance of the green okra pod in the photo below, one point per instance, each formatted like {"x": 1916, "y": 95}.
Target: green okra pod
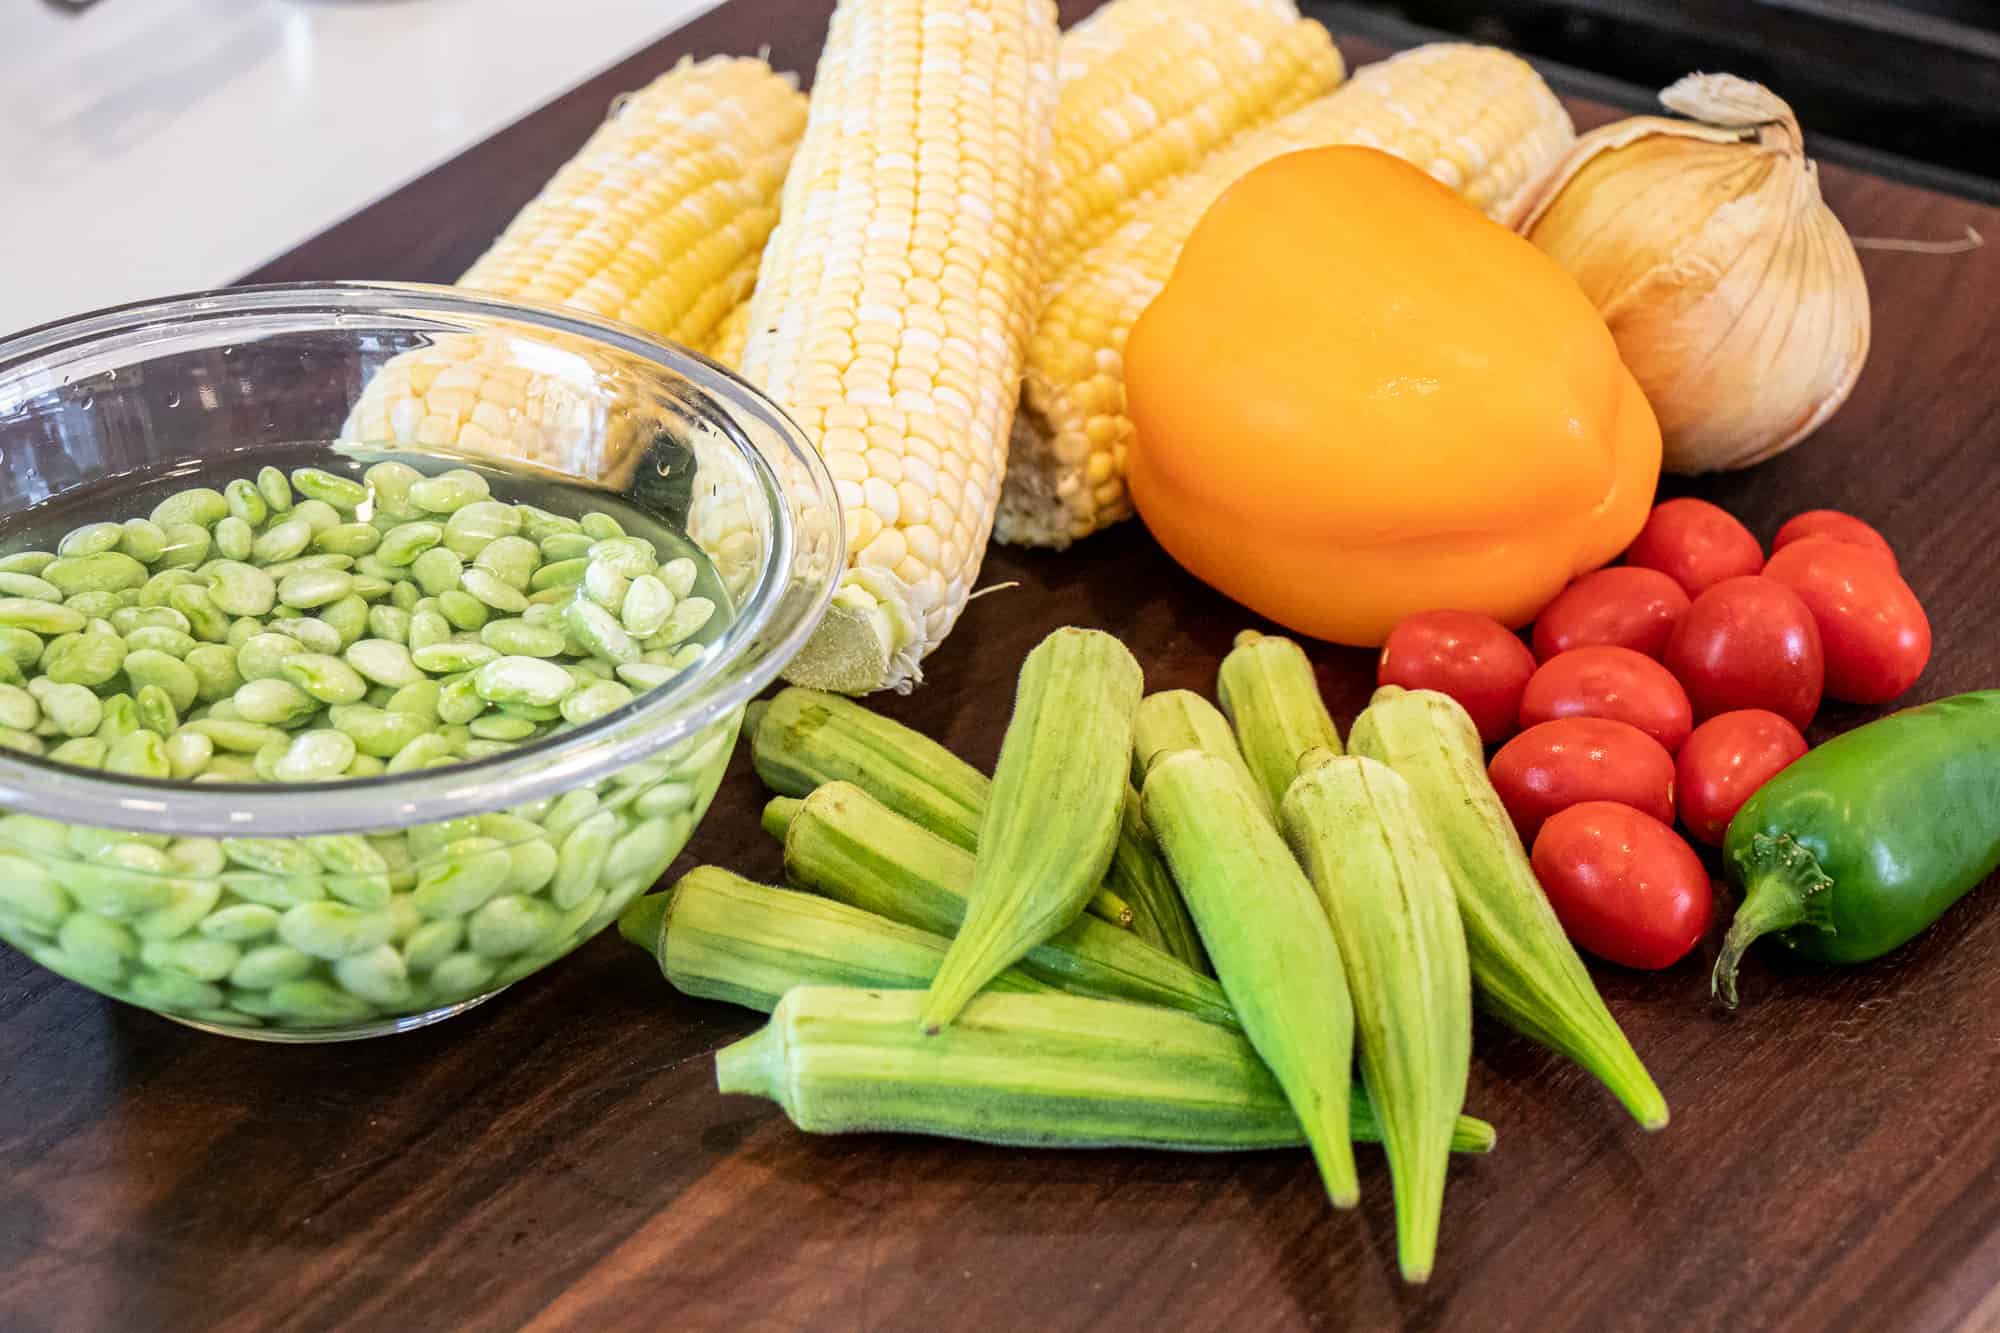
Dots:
{"x": 1273, "y": 950}
{"x": 844, "y": 844}
{"x": 1182, "y": 720}
{"x": 802, "y": 738}
{"x": 1055, "y": 812}
{"x": 1272, "y": 700}
{"x": 719, "y": 936}
{"x": 1159, "y": 917}
{"x": 1525, "y": 972}
{"x": 1355, "y": 828}
{"x": 1035, "y": 1071}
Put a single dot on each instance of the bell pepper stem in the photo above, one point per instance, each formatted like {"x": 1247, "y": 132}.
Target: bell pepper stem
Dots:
{"x": 1784, "y": 887}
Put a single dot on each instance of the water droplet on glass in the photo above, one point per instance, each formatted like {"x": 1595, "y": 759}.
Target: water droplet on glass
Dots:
{"x": 173, "y": 400}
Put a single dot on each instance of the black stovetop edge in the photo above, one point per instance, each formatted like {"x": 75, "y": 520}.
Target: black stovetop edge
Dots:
{"x": 1342, "y": 16}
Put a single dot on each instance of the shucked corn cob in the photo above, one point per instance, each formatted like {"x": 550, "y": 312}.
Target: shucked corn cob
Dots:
{"x": 1476, "y": 118}
{"x": 894, "y": 301}
{"x": 652, "y": 221}
{"x": 1147, "y": 88}
{"x": 657, "y": 221}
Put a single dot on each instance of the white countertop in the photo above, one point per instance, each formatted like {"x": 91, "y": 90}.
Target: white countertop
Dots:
{"x": 157, "y": 146}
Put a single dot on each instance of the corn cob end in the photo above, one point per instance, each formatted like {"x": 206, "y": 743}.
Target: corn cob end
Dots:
{"x": 872, "y": 638}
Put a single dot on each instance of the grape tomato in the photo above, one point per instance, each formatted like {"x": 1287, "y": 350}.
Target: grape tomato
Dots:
{"x": 1626, "y": 606}
{"x": 1558, "y": 764}
{"x": 1473, "y": 658}
{"x": 1610, "y": 682}
{"x": 1625, "y": 886}
{"x": 1749, "y": 642}
{"x": 1696, "y": 543}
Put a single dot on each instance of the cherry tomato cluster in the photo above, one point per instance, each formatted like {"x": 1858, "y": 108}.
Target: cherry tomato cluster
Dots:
{"x": 1671, "y": 686}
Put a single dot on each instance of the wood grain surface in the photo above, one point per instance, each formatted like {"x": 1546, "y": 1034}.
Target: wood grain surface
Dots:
{"x": 559, "y": 1159}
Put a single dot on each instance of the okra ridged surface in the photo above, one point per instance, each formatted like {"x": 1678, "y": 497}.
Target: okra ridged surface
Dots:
{"x": 1031, "y": 1071}
{"x": 844, "y": 844}
{"x": 719, "y": 936}
{"x": 1525, "y": 972}
{"x": 1273, "y": 950}
{"x": 1356, "y": 830}
{"x": 1055, "y": 813}
{"x": 801, "y": 738}
{"x": 1268, "y": 692}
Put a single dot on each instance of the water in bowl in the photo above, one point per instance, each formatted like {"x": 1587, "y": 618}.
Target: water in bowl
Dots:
{"x": 332, "y": 937}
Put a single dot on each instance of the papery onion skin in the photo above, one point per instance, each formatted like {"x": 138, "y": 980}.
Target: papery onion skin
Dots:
{"x": 1733, "y": 292}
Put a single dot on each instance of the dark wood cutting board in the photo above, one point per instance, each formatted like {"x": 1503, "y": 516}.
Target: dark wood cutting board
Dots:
{"x": 559, "y": 1158}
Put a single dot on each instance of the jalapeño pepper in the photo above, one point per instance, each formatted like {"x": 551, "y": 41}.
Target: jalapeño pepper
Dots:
{"x": 1865, "y": 841}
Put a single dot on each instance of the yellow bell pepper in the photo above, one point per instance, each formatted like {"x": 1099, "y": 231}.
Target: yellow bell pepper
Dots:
{"x": 1358, "y": 398}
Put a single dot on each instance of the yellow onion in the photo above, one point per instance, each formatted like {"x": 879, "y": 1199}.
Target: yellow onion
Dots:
{"x": 1731, "y": 288}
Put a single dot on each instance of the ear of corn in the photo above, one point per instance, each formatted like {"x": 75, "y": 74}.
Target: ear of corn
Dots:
{"x": 1273, "y": 950}
{"x": 844, "y": 844}
{"x": 1055, "y": 813}
{"x": 1149, "y": 88}
{"x": 1525, "y": 972}
{"x": 657, "y": 221}
{"x": 732, "y": 332}
{"x": 1031, "y": 1071}
{"x": 1268, "y": 692}
{"x": 893, "y": 303}
{"x": 722, "y": 937}
{"x": 652, "y": 221}
{"x": 1356, "y": 830}
{"x": 1477, "y": 118}
{"x": 1146, "y": 89}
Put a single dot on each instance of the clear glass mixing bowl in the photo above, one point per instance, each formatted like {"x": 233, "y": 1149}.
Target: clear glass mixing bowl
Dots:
{"x": 235, "y": 907}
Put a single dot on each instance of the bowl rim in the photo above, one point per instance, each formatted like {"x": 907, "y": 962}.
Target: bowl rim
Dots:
{"x": 793, "y": 590}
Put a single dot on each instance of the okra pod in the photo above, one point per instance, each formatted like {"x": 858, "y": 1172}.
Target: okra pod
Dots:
{"x": 1182, "y": 720}
{"x": 1355, "y": 828}
{"x": 1159, "y": 917}
{"x": 1034, "y": 1071}
{"x": 1525, "y": 972}
{"x": 844, "y": 844}
{"x": 1055, "y": 812}
{"x": 1273, "y": 950}
{"x": 802, "y": 738}
{"x": 1272, "y": 700}
{"x": 719, "y": 936}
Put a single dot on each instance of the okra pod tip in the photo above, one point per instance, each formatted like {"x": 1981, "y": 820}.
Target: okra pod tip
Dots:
{"x": 643, "y": 921}
{"x": 779, "y": 812}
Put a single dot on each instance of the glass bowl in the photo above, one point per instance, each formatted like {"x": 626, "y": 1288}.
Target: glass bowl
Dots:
{"x": 348, "y": 908}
